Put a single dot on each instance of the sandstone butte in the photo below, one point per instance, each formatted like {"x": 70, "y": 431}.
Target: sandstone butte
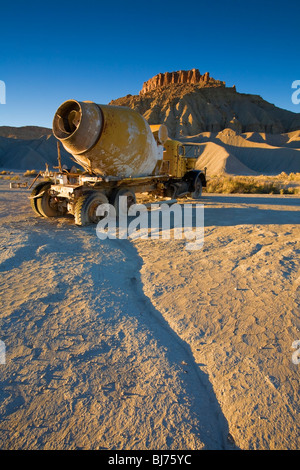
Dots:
{"x": 180, "y": 77}
{"x": 189, "y": 103}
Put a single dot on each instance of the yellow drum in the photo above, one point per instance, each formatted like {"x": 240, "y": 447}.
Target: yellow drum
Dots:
{"x": 106, "y": 140}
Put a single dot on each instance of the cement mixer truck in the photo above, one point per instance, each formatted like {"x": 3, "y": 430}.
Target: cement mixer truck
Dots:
{"x": 120, "y": 155}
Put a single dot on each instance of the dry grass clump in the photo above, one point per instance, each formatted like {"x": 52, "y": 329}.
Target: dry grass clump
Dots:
{"x": 4, "y": 174}
{"x": 30, "y": 173}
{"x": 279, "y": 184}
{"x": 14, "y": 178}
{"x": 287, "y": 177}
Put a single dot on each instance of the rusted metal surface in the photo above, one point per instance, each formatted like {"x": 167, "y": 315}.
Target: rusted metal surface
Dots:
{"x": 107, "y": 140}
{"x": 37, "y": 176}
{"x": 59, "y": 156}
{"x": 120, "y": 153}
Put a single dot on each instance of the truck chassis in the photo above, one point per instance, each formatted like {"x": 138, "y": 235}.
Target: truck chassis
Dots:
{"x": 66, "y": 192}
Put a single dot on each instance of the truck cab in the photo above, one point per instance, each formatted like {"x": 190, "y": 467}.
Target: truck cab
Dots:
{"x": 175, "y": 162}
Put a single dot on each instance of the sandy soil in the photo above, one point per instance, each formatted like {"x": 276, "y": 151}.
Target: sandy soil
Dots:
{"x": 142, "y": 344}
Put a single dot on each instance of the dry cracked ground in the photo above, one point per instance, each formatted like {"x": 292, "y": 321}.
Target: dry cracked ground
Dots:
{"x": 143, "y": 344}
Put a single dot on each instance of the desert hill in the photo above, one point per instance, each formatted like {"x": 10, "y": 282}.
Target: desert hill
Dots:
{"x": 227, "y": 152}
{"x": 231, "y": 132}
{"x": 28, "y": 148}
{"x": 24, "y": 132}
{"x": 18, "y": 153}
{"x": 206, "y": 105}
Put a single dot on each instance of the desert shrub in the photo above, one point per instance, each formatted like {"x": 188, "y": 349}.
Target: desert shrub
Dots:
{"x": 248, "y": 185}
{"x": 30, "y": 173}
{"x": 294, "y": 176}
{"x": 16, "y": 177}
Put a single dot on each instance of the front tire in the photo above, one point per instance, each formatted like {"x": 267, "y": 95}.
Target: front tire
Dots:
{"x": 197, "y": 193}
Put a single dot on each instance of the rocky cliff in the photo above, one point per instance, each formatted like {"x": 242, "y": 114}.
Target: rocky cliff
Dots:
{"x": 190, "y": 103}
{"x": 182, "y": 76}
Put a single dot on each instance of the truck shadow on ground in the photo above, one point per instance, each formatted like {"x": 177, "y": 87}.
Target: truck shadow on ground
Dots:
{"x": 111, "y": 278}
{"x": 212, "y": 424}
{"x": 220, "y": 211}
{"x": 254, "y": 210}
{"x": 251, "y": 199}
{"x": 231, "y": 210}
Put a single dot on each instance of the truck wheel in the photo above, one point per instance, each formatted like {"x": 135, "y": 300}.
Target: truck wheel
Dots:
{"x": 36, "y": 190}
{"x": 47, "y": 205}
{"x": 197, "y": 193}
{"x": 171, "y": 191}
{"x": 122, "y": 206}
{"x": 86, "y": 208}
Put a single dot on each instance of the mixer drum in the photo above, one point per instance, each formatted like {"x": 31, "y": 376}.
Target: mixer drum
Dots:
{"x": 106, "y": 140}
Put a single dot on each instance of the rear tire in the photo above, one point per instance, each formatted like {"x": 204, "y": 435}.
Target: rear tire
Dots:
{"x": 46, "y": 205}
{"x": 86, "y": 208}
{"x": 122, "y": 207}
{"x": 39, "y": 188}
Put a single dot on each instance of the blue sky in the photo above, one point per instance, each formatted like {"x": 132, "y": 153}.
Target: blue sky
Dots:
{"x": 100, "y": 50}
